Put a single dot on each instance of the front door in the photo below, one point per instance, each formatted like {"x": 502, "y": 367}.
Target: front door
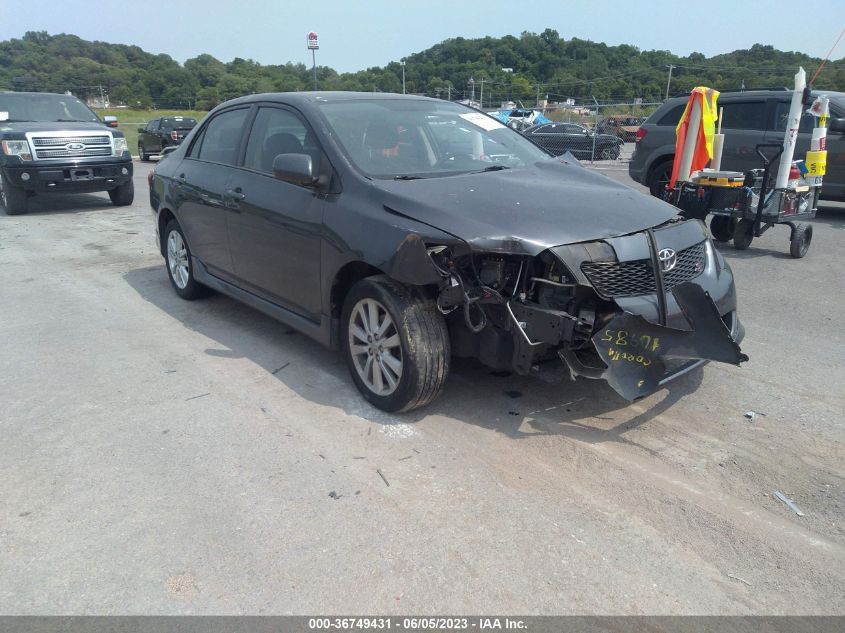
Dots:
{"x": 275, "y": 231}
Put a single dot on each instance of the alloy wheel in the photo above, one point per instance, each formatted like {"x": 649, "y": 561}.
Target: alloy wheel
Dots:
{"x": 177, "y": 259}
{"x": 375, "y": 347}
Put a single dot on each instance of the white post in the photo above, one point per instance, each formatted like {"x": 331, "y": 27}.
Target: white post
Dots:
{"x": 718, "y": 145}
{"x": 791, "y": 134}
{"x": 692, "y": 139}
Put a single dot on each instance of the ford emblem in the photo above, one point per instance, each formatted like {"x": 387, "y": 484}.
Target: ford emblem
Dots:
{"x": 75, "y": 147}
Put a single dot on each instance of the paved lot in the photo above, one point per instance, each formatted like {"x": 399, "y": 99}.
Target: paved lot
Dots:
{"x": 160, "y": 456}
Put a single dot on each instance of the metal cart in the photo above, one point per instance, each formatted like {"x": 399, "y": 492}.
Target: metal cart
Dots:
{"x": 743, "y": 213}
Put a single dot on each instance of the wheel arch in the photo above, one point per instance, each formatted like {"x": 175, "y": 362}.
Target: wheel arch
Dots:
{"x": 164, "y": 216}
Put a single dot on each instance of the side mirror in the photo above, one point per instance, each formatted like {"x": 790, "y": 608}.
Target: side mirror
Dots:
{"x": 110, "y": 120}
{"x": 141, "y": 129}
{"x": 297, "y": 169}
{"x": 837, "y": 125}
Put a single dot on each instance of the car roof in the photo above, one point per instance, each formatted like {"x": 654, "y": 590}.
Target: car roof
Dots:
{"x": 303, "y": 98}
{"x": 730, "y": 95}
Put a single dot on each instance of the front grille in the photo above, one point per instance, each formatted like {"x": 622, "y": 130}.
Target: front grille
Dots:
{"x": 635, "y": 278}
{"x": 67, "y": 153}
{"x": 56, "y": 146}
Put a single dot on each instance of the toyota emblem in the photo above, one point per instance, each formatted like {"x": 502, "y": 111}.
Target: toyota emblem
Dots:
{"x": 668, "y": 259}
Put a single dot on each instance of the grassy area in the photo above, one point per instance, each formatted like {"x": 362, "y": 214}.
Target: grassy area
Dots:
{"x": 129, "y": 120}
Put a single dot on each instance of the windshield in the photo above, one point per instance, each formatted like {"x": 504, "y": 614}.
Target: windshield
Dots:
{"x": 43, "y": 108}
{"x": 183, "y": 123}
{"x": 390, "y": 138}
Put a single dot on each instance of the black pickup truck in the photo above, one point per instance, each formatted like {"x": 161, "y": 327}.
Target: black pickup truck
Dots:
{"x": 55, "y": 143}
{"x": 164, "y": 132}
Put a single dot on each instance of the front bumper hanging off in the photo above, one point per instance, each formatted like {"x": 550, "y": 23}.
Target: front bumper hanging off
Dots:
{"x": 636, "y": 350}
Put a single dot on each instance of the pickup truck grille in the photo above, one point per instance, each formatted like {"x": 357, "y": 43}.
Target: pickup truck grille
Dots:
{"x": 71, "y": 146}
{"x": 635, "y": 278}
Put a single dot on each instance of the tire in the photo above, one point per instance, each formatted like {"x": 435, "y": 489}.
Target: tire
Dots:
{"x": 180, "y": 267}
{"x": 659, "y": 177}
{"x": 14, "y": 200}
{"x": 123, "y": 195}
{"x": 610, "y": 153}
{"x": 743, "y": 234}
{"x": 142, "y": 154}
{"x": 419, "y": 357}
{"x": 722, "y": 228}
{"x": 799, "y": 243}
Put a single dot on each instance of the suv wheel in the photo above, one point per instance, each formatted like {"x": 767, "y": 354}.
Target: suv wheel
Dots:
{"x": 396, "y": 344}
{"x": 123, "y": 195}
{"x": 659, "y": 177}
{"x": 142, "y": 154}
{"x": 14, "y": 200}
{"x": 179, "y": 264}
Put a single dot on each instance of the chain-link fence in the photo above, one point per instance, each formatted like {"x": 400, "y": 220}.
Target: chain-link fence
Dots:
{"x": 597, "y": 133}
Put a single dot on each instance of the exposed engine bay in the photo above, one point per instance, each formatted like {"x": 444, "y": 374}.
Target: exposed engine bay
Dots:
{"x": 516, "y": 312}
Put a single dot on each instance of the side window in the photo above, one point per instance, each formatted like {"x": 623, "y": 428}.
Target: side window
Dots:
{"x": 673, "y": 116}
{"x": 572, "y": 129}
{"x": 808, "y": 121}
{"x": 194, "y": 150}
{"x": 276, "y": 131}
{"x": 152, "y": 126}
{"x": 222, "y": 137}
{"x": 749, "y": 115}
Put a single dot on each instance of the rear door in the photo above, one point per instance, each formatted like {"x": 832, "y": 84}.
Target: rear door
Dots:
{"x": 148, "y": 137}
{"x": 202, "y": 180}
{"x": 744, "y": 123}
{"x": 275, "y": 230}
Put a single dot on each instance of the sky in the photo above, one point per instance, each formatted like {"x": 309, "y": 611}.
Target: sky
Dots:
{"x": 357, "y": 34}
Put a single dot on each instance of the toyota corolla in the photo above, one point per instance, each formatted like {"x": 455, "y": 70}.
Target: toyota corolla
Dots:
{"x": 405, "y": 231}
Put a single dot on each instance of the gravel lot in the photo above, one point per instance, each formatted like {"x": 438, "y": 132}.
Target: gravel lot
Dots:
{"x": 168, "y": 457}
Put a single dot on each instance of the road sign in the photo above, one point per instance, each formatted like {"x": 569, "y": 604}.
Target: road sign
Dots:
{"x": 312, "y": 41}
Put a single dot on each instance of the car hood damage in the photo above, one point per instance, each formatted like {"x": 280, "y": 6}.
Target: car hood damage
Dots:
{"x": 525, "y": 211}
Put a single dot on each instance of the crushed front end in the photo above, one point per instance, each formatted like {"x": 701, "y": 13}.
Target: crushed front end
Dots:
{"x": 635, "y": 310}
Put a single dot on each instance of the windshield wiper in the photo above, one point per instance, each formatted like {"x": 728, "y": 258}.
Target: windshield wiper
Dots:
{"x": 492, "y": 168}
{"x": 407, "y": 177}
{"x": 72, "y": 121}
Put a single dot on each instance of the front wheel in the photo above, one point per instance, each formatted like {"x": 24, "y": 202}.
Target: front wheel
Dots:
{"x": 396, "y": 344}
{"x": 722, "y": 228}
{"x": 123, "y": 195}
{"x": 142, "y": 153}
{"x": 799, "y": 244}
{"x": 659, "y": 177}
{"x": 14, "y": 200}
{"x": 179, "y": 264}
{"x": 743, "y": 234}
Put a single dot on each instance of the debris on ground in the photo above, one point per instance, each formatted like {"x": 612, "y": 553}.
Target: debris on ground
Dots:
{"x": 202, "y": 395}
{"x": 383, "y": 478}
{"x": 276, "y": 371}
{"x": 334, "y": 495}
{"x": 513, "y": 412}
{"x": 402, "y": 459}
{"x": 788, "y": 502}
{"x": 750, "y": 415}
{"x": 739, "y": 579}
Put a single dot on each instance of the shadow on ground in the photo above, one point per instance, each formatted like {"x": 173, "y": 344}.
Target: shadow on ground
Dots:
{"x": 516, "y": 406}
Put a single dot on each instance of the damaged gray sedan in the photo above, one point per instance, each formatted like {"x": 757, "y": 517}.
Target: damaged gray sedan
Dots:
{"x": 405, "y": 231}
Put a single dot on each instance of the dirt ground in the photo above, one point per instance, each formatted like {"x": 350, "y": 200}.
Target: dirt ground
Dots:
{"x": 168, "y": 457}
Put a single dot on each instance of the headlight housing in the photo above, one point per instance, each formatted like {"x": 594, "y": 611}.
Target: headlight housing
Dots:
{"x": 17, "y": 148}
{"x": 120, "y": 145}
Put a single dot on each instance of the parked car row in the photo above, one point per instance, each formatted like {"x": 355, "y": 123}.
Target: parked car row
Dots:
{"x": 583, "y": 143}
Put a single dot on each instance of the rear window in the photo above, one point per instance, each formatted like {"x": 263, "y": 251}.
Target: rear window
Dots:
{"x": 749, "y": 115}
{"x": 178, "y": 123}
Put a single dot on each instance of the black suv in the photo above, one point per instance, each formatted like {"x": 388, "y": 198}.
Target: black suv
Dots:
{"x": 55, "y": 143}
{"x": 164, "y": 132}
{"x": 749, "y": 118}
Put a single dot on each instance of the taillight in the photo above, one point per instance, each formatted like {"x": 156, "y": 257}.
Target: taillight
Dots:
{"x": 174, "y": 136}
{"x": 640, "y": 135}
{"x": 150, "y": 177}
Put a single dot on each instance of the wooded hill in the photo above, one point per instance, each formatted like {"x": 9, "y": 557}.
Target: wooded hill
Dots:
{"x": 543, "y": 64}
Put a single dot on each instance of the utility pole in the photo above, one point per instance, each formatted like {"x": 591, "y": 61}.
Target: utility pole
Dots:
{"x": 538, "y": 95}
{"x": 472, "y": 94}
{"x": 449, "y": 92}
{"x": 668, "y": 83}
{"x": 482, "y": 92}
{"x": 509, "y": 71}
{"x": 403, "y": 75}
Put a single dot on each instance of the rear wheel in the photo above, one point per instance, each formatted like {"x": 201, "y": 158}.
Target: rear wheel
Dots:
{"x": 799, "y": 244}
{"x": 396, "y": 344}
{"x": 14, "y": 200}
{"x": 743, "y": 234}
{"x": 610, "y": 153}
{"x": 123, "y": 195}
{"x": 179, "y": 264}
{"x": 659, "y": 177}
{"x": 142, "y": 153}
{"x": 722, "y": 228}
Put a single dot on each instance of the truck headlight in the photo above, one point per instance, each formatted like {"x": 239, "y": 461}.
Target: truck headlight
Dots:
{"x": 17, "y": 148}
{"x": 120, "y": 146}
